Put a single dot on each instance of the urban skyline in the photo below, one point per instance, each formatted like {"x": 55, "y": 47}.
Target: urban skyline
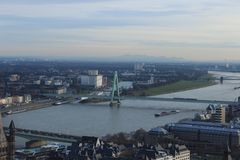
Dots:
{"x": 119, "y": 80}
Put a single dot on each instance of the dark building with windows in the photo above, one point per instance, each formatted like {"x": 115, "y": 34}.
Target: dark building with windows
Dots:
{"x": 206, "y": 132}
{"x": 7, "y": 142}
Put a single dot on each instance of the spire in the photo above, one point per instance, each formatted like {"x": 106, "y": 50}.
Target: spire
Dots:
{"x": 12, "y": 132}
{"x": 12, "y": 125}
{"x": 11, "y": 141}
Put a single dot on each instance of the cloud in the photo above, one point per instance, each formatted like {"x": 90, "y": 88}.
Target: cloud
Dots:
{"x": 169, "y": 28}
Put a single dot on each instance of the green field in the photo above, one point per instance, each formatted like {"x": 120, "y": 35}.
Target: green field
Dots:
{"x": 174, "y": 87}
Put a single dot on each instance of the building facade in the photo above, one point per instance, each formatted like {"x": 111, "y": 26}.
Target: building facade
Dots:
{"x": 179, "y": 152}
{"x": 219, "y": 115}
{"x": 3, "y": 143}
{"x": 207, "y": 132}
{"x": 95, "y": 81}
{"x": 7, "y": 143}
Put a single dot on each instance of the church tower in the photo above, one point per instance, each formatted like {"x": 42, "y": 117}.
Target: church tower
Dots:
{"x": 3, "y": 142}
{"x": 11, "y": 141}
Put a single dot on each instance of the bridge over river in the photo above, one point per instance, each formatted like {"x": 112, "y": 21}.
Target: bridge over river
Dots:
{"x": 43, "y": 135}
{"x": 115, "y": 97}
{"x": 153, "y": 98}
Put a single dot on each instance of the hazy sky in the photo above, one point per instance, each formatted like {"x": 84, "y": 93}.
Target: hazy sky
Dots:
{"x": 190, "y": 29}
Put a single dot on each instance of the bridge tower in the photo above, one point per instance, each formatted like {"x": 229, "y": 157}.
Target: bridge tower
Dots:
{"x": 221, "y": 80}
{"x": 115, "y": 95}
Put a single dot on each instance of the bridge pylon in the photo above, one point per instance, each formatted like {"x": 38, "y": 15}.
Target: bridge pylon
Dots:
{"x": 221, "y": 80}
{"x": 115, "y": 95}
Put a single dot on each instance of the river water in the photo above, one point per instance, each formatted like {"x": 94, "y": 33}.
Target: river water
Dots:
{"x": 100, "y": 119}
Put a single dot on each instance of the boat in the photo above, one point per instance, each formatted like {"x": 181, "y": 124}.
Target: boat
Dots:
{"x": 9, "y": 112}
{"x": 175, "y": 111}
{"x": 162, "y": 114}
{"x": 18, "y": 111}
{"x": 83, "y": 100}
{"x": 15, "y": 112}
{"x": 60, "y": 102}
{"x": 166, "y": 113}
{"x": 157, "y": 115}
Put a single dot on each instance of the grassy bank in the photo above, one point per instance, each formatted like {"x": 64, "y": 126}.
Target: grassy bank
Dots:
{"x": 174, "y": 87}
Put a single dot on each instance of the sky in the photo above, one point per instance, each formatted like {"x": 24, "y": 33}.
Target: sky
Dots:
{"x": 189, "y": 29}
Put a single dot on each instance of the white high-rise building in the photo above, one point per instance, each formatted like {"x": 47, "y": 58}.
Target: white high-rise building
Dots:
{"x": 92, "y": 72}
{"x": 95, "y": 81}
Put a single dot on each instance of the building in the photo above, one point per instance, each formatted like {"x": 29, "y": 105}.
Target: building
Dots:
{"x": 51, "y": 151}
{"x": 14, "y": 77}
{"x": 37, "y": 82}
{"x": 48, "y": 82}
{"x": 214, "y": 113}
{"x": 156, "y": 152}
{"x": 92, "y": 72}
{"x": 3, "y": 143}
{"x": 27, "y": 98}
{"x": 57, "y": 82}
{"x": 95, "y": 141}
{"x": 206, "y": 132}
{"x": 17, "y": 99}
{"x": 95, "y": 81}
{"x": 11, "y": 141}
{"x": 8, "y": 100}
{"x": 146, "y": 82}
{"x": 54, "y": 90}
{"x": 152, "y": 154}
{"x": 7, "y": 143}
{"x": 91, "y": 80}
{"x": 139, "y": 67}
{"x": 104, "y": 82}
{"x": 219, "y": 115}
{"x": 179, "y": 152}
{"x": 90, "y": 148}
{"x": 61, "y": 90}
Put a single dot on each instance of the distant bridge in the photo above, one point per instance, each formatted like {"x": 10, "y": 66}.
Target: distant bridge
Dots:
{"x": 223, "y": 77}
{"x": 43, "y": 135}
{"x": 175, "y": 99}
{"x": 115, "y": 97}
{"x": 188, "y": 100}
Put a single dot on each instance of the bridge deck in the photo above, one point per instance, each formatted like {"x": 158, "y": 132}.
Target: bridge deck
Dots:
{"x": 43, "y": 135}
{"x": 152, "y": 98}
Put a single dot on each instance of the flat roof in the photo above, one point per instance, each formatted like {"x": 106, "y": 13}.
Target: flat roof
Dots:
{"x": 206, "y": 126}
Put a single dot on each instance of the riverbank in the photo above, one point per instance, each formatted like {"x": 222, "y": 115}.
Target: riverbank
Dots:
{"x": 182, "y": 85}
{"x": 26, "y": 107}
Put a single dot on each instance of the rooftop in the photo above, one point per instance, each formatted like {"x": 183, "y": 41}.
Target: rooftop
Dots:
{"x": 205, "y": 126}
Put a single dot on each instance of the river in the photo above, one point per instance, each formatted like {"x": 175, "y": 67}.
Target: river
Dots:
{"x": 100, "y": 119}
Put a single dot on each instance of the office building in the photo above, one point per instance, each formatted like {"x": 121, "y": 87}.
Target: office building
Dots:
{"x": 219, "y": 115}
{"x": 206, "y": 132}
{"x": 93, "y": 79}
{"x": 92, "y": 72}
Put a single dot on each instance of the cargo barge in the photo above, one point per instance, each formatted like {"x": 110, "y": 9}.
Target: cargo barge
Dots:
{"x": 166, "y": 113}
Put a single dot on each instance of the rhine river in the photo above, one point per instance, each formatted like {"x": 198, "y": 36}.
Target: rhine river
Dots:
{"x": 100, "y": 119}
